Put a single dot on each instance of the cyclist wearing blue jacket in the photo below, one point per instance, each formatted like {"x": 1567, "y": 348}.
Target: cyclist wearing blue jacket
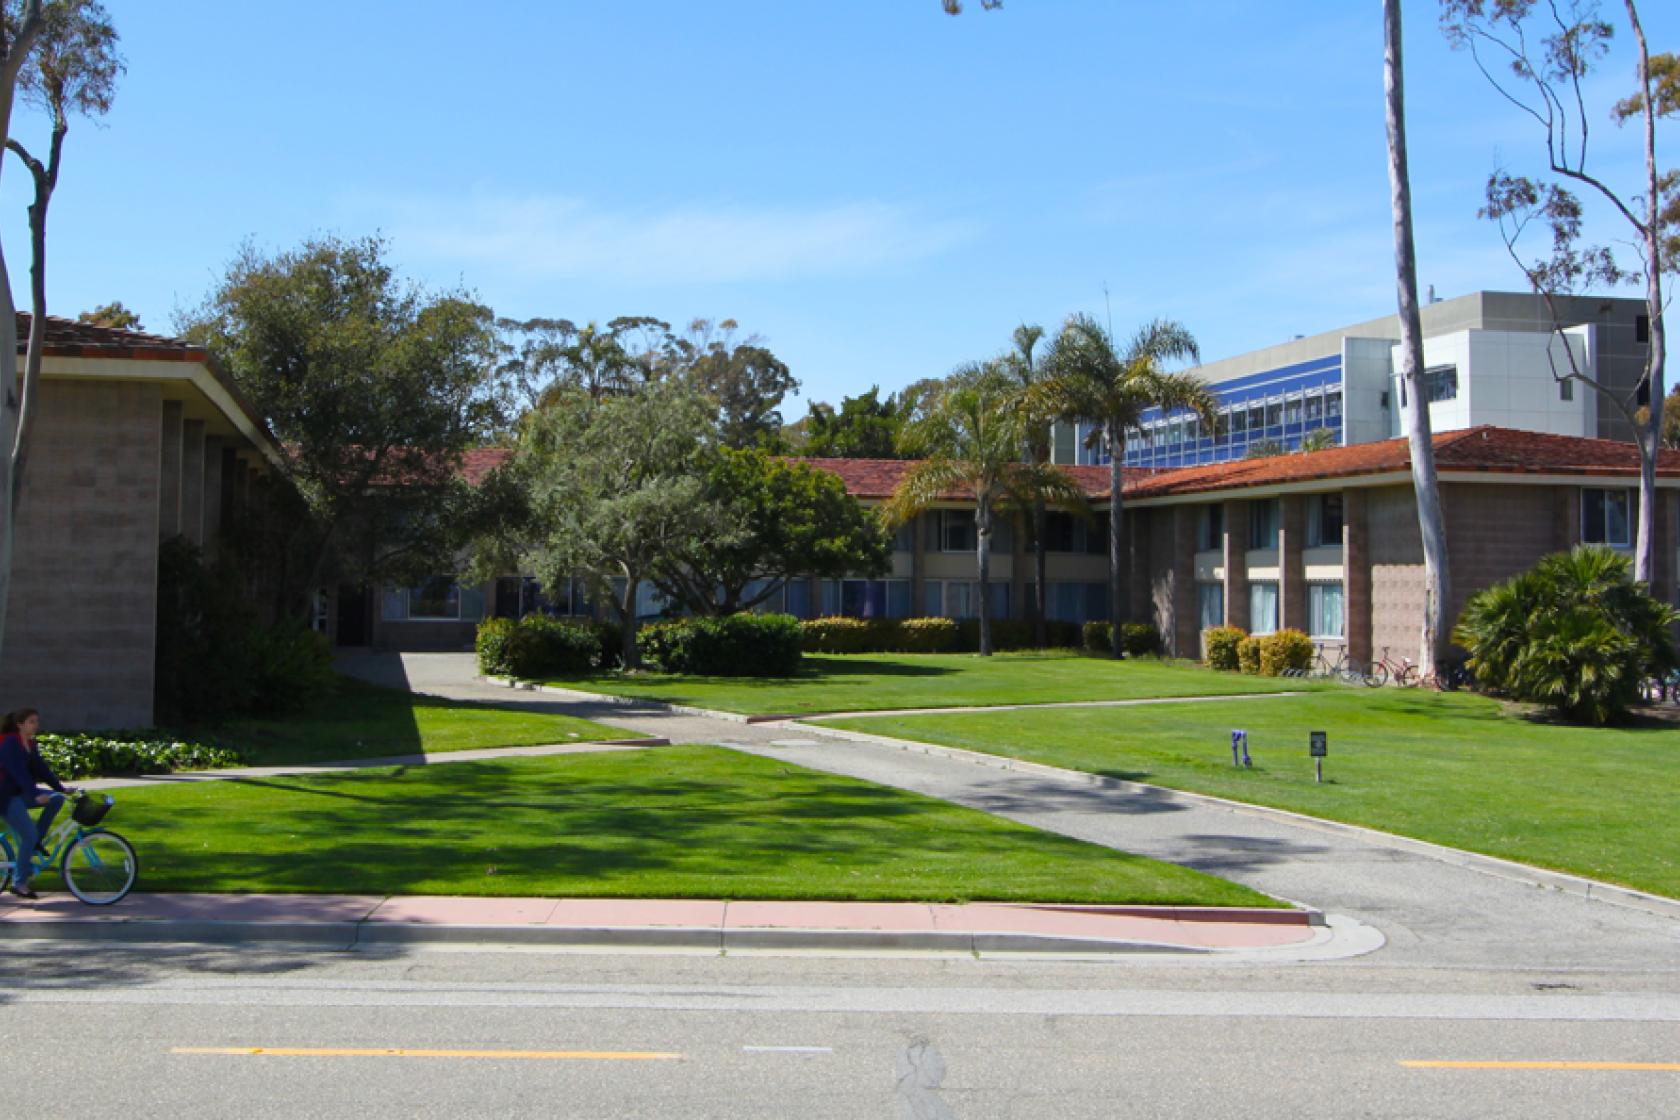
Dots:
{"x": 22, "y": 772}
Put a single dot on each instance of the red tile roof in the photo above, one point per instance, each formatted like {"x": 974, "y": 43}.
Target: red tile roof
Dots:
{"x": 1483, "y": 449}
{"x": 876, "y": 479}
{"x": 480, "y": 461}
{"x": 67, "y": 338}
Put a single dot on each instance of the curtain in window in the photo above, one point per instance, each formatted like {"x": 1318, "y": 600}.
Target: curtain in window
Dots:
{"x": 1262, "y": 607}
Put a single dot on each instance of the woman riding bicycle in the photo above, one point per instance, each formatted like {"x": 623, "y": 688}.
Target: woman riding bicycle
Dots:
{"x": 22, "y": 772}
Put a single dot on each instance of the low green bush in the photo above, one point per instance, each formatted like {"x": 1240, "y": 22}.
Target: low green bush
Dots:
{"x": 491, "y": 644}
{"x": 92, "y": 755}
{"x": 1140, "y": 639}
{"x": 739, "y": 645}
{"x": 1248, "y": 655}
{"x": 928, "y": 635}
{"x": 838, "y": 634}
{"x": 1285, "y": 649}
{"x": 537, "y": 646}
{"x": 1098, "y": 637}
{"x": 287, "y": 665}
{"x": 1220, "y": 644}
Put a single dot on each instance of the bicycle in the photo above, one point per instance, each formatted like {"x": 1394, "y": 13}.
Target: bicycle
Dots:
{"x": 1384, "y": 669}
{"x": 1344, "y": 668}
{"x": 1451, "y": 677}
{"x": 99, "y": 866}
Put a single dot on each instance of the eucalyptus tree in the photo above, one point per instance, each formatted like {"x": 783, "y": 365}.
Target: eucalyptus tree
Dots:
{"x": 967, "y": 437}
{"x": 1432, "y": 527}
{"x": 1091, "y": 380}
{"x": 1544, "y": 60}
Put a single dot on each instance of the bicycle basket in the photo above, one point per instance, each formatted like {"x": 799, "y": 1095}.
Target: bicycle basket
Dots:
{"x": 89, "y": 811}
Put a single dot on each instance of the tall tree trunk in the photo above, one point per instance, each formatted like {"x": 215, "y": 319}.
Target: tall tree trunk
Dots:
{"x": 1118, "y": 609}
{"x": 1431, "y": 524}
{"x": 1650, "y": 440}
{"x": 627, "y": 621}
{"x": 1041, "y": 594}
{"x": 983, "y": 560}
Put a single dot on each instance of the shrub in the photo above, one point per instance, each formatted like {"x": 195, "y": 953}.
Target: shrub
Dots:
{"x": 740, "y": 645}
{"x": 838, "y": 635}
{"x": 1221, "y": 643}
{"x": 286, "y": 665}
{"x": 1248, "y": 655}
{"x": 491, "y": 643}
{"x": 1098, "y": 637}
{"x": 611, "y": 636}
{"x": 1140, "y": 639}
{"x": 1575, "y": 633}
{"x": 548, "y": 647}
{"x": 1285, "y": 649}
{"x": 88, "y": 755}
{"x": 928, "y": 635}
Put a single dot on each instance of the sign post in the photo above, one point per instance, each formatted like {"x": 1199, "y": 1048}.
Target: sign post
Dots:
{"x": 1320, "y": 749}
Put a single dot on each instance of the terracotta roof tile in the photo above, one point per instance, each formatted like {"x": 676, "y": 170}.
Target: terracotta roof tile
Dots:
{"x": 876, "y": 479}
{"x": 477, "y": 463}
{"x": 67, "y": 338}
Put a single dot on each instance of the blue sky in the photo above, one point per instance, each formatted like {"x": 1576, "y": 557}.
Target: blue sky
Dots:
{"x": 879, "y": 190}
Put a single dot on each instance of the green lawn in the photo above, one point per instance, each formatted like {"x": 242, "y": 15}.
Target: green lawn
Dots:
{"x": 671, "y": 822}
{"x": 1455, "y": 769}
{"x": 872, "y": 682}
{"x": 361, "y": 721}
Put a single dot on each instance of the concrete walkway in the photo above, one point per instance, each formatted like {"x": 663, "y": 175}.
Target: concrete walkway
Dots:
{"x": 345, "y": 921}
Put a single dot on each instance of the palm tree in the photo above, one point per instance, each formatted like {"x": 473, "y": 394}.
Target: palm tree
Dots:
{"x": 1090, "y": 380}
{"x": 1035, "y": 452}
{"x": 968, "y": 435}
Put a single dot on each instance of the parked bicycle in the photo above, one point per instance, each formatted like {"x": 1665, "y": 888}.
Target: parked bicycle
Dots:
{"x": 1402, "y": 671}
{"x": 1344, "y": 668}
{"x": 1451, "y": 677}
{"x": 99, "y": 866}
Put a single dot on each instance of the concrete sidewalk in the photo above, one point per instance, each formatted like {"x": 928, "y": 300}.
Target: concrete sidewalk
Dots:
{"x": 349, "y": 921}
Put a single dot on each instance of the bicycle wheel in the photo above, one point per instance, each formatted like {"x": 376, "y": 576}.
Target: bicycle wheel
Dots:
{"x": 6, "y": 858}
{"x": 100, "y": 868}
{"x": 1322, "y": 667}
{"x": 1352, "y": 672}
{"x": 1376, "y": 676}
{"x": 1408, "y": 677}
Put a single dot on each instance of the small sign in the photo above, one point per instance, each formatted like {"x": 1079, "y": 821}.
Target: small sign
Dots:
{"x": 1239, "y": 749}
{"x": 1320, "y": 744}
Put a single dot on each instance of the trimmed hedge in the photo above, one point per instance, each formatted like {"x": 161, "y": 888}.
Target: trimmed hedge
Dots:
{"x": 739, "y": 645}
{"x": 844, "y": 635}
{"x": 1285, "y": 649}
{"x": 1248, "y": 655}
{"x": 88, "y": 755}
{"x": 537, "y": 646}
{"x": 1137, "y": 639}
{"x": 1221, "y": 644}
{"x": 926, "y": 635}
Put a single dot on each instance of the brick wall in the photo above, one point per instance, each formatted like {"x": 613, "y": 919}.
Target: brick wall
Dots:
{"x": 1397, "y": 587}
{"x": 80, "y": 631}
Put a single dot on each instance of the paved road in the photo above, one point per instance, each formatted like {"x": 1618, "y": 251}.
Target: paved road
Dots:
{"x": 101, "y": 1031}
{"x": 1431, "y": 913}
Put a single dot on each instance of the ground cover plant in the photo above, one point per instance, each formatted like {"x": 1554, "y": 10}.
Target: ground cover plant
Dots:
{"x": 672, "y": 822}
{"x": 1456, "y": 769}
{"x": 873, "y": 682}
{"x": 357, "y": 720}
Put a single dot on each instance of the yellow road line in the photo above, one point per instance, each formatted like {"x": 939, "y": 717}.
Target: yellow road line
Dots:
{"x": 542, "y": 1055}
{"x": 1670, "y": 1067}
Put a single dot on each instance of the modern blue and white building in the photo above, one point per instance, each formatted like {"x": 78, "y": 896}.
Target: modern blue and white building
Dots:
{"x": 1496, "y": 358}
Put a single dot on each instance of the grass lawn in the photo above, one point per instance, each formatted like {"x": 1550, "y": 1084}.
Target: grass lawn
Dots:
{"x": 872, "y": 682}
{"x": 671, "y": 822}
{"x": 361, "y": 721}
{"x": 1455, "y": 769}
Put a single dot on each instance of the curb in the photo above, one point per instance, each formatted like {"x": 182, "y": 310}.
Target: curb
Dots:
{"x": 349, "y": 936}
{"x": 1592, "y": 889}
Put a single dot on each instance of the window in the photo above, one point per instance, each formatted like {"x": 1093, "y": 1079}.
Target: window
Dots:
{"x": 1274, "y": 414}
{"x": 875, "y": 598}
{"x": 1262, "y": 607}
{"x": 1256, "y": 418}
{"x": 1239, "y": 420}
{"x": 1292, "y": 412}
{"x": 1333, "y": 404}
{"x": 957, "y": 531}
{"x": 1642, "y": 328}
{"x": 1096, "y": 535}
{"x": 1210, "y": 604}
{"x": 1324, "y": 521}
{"x": 1210, "y": 527}
{"x": 1606, "y": 517}
{"x": 904, "y": 540}
{"x": 1566, "y": 390}
{"x": 1441, "y": 382}
{"x": 1315, "y": 408}
{"x": 438, "y": 598}
{"x": 1263, "y": 519}
{"x": 799, "y": 598}
{"x": 1324, "y": 610}
{"x": 1059, "y": 533}
{"x": 1222, "y": 426}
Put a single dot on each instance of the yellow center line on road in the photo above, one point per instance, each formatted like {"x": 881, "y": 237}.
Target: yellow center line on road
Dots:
{"x": 1668, "y": 1067}
{"x": 536, "y": 1055}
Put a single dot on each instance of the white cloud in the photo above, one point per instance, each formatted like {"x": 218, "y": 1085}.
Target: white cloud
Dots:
{"x": 553, "y": 237}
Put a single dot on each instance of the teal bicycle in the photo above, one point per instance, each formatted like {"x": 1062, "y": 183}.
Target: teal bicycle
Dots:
{"x": 99, "y": 867}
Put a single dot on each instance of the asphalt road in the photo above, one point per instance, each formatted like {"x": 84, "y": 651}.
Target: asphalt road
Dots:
{"x": 93, "y": 1030}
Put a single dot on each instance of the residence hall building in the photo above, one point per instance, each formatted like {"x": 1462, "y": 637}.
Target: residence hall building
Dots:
{"x": 1490, "y": 358}
{"x": 136, "y": 439}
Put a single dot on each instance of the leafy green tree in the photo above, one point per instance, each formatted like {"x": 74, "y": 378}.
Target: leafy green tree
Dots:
{"x": 1319, "y": 439}
{"x": 968, "y": 436}
{"x": 113, "y": 315}
{"x": 1543, "y": 58}
{"x": 1092, "y": 381}
{"x": 374, "y": 387}
{"x": 616, "y": 489}
{"x": 1035, "y": 450}
{"x": 787, "y": 520}
{"x": 1576, "y": 633}
{"x": 748, "y": 382}
{"x": 865, "y": 427}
